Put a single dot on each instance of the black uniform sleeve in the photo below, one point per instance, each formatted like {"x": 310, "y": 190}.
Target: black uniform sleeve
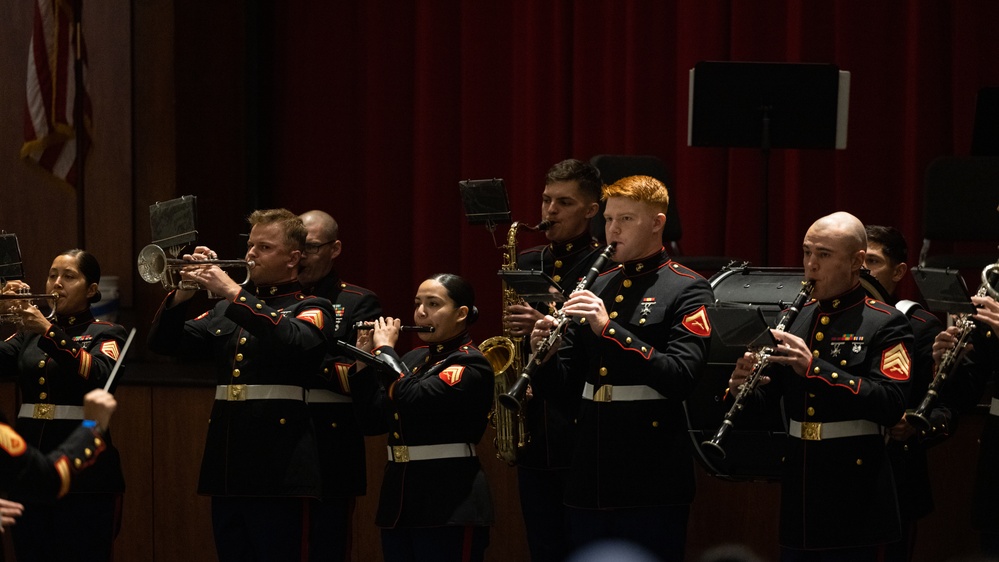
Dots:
{"x": 42, "y": 477}
{"x": 94, "y": 365}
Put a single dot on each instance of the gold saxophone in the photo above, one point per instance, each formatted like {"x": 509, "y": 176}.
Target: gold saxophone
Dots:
{"x": 506, "y": 357}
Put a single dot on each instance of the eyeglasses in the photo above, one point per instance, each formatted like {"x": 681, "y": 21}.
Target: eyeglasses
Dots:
{"x": 314, "y": 248}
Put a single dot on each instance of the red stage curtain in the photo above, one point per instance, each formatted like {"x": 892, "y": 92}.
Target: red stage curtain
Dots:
{"x": 381, "y": 107}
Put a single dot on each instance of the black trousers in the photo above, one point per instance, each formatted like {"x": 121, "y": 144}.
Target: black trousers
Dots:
{"x": 78, "y": 527}
{"x": 545, "y": 518}
{"x": 329, "y": 529}
{"x": 249, "y": 529}
{"x": 441, "y": 544}
{"x": 662, "y": 530}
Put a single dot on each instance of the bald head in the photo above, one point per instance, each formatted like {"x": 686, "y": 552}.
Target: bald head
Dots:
{"x": 834, "y": 249}
{"x": 323, "y": 221}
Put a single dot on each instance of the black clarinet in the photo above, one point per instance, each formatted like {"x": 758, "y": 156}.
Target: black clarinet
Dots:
{"x": 713, "y": 445}
{"x": 513, "y": 397}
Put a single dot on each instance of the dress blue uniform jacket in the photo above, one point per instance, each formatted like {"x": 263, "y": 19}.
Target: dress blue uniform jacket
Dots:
{"x": 277, "y": 336}
{"x": 838, "y": 493}
{"x": 341, "y": 443}
{"x": 634, "y": 453}
{"x": 445, "y": 399}
{"x": 59, "y": 367}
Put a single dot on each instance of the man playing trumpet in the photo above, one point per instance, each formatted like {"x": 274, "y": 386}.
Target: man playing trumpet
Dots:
{"x": 261, "y": 459}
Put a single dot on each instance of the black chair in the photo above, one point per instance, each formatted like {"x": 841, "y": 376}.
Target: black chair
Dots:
{"x": 616, "y": 166}
{"x": 961, "y": 212}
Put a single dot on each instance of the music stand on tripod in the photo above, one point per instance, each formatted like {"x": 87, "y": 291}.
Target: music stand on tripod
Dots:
{"x": 767, "y": 105}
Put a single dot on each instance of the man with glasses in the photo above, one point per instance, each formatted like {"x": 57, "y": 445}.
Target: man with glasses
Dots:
{"x": 341, "y": 444}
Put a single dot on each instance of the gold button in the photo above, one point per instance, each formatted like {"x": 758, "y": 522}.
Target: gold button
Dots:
{"x": 282, "y": 421}
{"x": 558, "y": 263}
{"x": 842, "y": 362}
{"x": 810, "y": 411}
{"x": 62, "y": 342}
{"x": 557, "y": 278}
{"x": 811, "y": 395}
{"x": 242, "y": 299}
{"x": 860, "y": 462}
{"x": 51, "y": 334}
{"x": 326, "y": 370}
{"x": 395, "y": 434}
{"x": 378, "y": 352}
{"x": 259, "y": 306}
{"x": 41, "y": 380}
{"x": 43, "y": 395}
{"x": 97, "y": 441}
{"x": 242, "y": 341}
{"x": 603, "y": 371}
{"x": 77, "y": 463}
{"x": 642, "y": 321}
{"x": 627, "y": 340}
{"x": 87, "y": 452}
{"x": 851, "y": 382}
{"x": 235, "y": 372}
{"x": 612, "y": 331}
{"x": 619, "y": 298}
{"x": 825, "y": 320}
{"x": 655, "y": 424}
{"x": 820, "y": 336}
{"x": 41, "y": 363}
{"x": 217, "y": 332}
{"x": 644, "y": 349}
{"x": 627, "y": 283}
{"x": 834, "y": 375}
{"x": 273, "y": 314}
{"x": 613, "y": 314}
{"x": 239, "y": 357}
{"x": 815, "y": 354}
{"x": 395, "y": 415}
{"x": 333, "y": 425}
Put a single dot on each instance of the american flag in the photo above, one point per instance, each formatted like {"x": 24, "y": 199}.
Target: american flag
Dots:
{"x": 50, "y": 134}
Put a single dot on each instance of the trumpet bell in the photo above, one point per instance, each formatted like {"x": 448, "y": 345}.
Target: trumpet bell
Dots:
{"x": 152, "y": 263}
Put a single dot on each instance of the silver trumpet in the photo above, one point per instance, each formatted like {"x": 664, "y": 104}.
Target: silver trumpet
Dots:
{"x": 11, "y": 304}
{"x": 156, "y": 267}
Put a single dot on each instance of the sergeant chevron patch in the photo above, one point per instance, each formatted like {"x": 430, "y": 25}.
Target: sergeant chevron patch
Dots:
{"x": 697, "y": 322}
{"x": 452, "y": 375}
{"x": 312, "y": 316}
{"x": 895, "y": 363}
{"x": 110, "y": 348}
{"x": 11, "y": 442}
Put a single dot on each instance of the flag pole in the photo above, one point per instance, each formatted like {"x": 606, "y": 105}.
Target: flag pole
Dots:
{"x": 79, "y": 127}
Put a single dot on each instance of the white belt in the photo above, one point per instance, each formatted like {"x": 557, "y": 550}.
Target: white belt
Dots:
{"x": 240, "y": 392}
{"x": 323, "y": 396}
{"x": 994, "y": 407}
{"x": 50, "y": 412}
{"x": 403, "y": 453}
{"x": 817, "y": 431}
{"x": 619, "y": 393}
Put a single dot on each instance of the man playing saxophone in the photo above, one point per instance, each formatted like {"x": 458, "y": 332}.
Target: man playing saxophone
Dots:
{"x": 633, "y": 351}
{"x": 568, "y": 202}
{"x": 842, "y": 369}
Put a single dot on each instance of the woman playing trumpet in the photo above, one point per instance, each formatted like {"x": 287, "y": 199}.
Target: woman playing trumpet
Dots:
{"x": 433, "y": 403}
{"x": 57, "y": 363}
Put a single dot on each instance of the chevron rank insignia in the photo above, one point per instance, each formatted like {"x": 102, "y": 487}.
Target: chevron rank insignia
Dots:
{"x": 895, "y": 363}
{"x": 11, "y": 442}
{"x": 110, "y": 348}
{"x": 452, "y": 375}
{"x": 313, "y": 316}
{"x": 697, "y": 322}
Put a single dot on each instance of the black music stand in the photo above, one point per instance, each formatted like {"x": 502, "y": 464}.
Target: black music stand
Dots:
{"x": 485, "y": 202}
{"x": 172, "y": 222}
{"x": 11, "y": 267}
{"x": 740, "y": 325}
{"x": 767, "y": 105}
{"x": 534, "y": 286}
{"x": 943, "y": 290}
{"x": 985, "y": 135}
